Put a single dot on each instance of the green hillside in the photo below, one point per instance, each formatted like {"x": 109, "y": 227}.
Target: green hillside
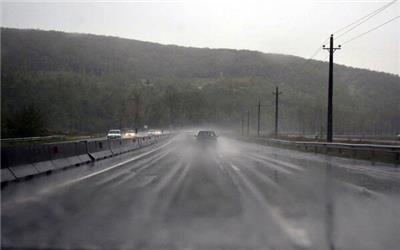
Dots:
{"x": 78, "y": 83}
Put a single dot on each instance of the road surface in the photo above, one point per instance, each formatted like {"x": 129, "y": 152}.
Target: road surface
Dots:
{"x": 181, "y": 195}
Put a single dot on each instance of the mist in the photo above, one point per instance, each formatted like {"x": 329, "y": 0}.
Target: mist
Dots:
{"x": 188, "y": 125}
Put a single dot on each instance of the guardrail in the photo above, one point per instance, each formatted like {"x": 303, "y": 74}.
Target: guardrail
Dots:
{"x": 29, "y": 139}
{"x": 373, "y": 152}
{"x": 346, "y": 136}
{"x": 19, "y": 162}
{"x": 382, "y": 140}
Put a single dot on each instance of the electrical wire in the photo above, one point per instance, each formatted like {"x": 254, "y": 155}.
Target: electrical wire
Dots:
{"x": 368, "y": 31}
{"x": 315, "y": 53}
{"x": 362, "y": 20}
{"x": 355, "y": 24}
{"x": 317, "y": 50}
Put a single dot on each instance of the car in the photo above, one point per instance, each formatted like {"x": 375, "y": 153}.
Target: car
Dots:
{"x": 207, "y": 136}
{"x": 114, "y": 134}
{"x": 154, "y": 132}
{"x": 129, "y": 134}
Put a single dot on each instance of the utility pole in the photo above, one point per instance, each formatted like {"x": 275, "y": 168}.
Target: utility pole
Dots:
{"x": 329, "y": 134}
{"x": 258, "y": 118}
{"x": 248, "y": 122}
{"x": 242, "y": 124}
{"x": 276, "y": 93}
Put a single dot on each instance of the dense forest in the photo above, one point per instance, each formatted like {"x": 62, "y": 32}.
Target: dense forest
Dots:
{"x": 55, "y": 82}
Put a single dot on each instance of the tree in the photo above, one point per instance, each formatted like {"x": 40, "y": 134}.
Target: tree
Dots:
{"x": 28, "y": 122}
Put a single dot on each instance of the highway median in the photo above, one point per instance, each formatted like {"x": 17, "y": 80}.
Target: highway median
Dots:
{"x": 25, "y": 161}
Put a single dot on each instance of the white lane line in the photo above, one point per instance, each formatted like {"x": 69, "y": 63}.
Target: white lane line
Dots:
{"x": 269, "y": 164}
{"x": 297, "y": 234}
{"x": 36, "y": 197}
{"x": 234, "y": 167}
{"x": 284, "y": 163}
{"x": 263, "y": 177}
{"x": 116, "y": 165}
{"x": 146, "y": 181}
{"x": 358, "y": 189}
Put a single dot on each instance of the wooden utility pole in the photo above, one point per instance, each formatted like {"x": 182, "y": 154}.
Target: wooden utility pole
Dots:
{"x": 258, "y": 118}
{"x": 276, "y": 93}
{"x": 331, "y": 49}
{"x": 248, "y": 122}
{"x": 242, "y": 124}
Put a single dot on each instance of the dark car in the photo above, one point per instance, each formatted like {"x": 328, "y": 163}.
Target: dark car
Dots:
{"x": 207, "y": 136}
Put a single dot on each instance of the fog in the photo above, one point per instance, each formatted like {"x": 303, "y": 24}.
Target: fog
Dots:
{"x": 288, "y": 27}
{"x": 185, "y": 194}
{"x": 200, "y": 125}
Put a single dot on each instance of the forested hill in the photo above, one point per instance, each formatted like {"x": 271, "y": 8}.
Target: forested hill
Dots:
{"x": 87, "y": 83}
{"x": 35, "y": 50}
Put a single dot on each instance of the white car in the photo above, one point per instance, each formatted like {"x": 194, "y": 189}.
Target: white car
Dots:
{"x": 129, "y": 134}
{"x": 114, "y": 134}
{"x": 154, "y": 132}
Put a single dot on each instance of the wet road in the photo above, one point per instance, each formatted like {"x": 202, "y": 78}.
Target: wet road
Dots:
{"x": 181, "y": 195}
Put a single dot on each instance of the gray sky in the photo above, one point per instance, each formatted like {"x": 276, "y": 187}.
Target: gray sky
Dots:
{"x": 287, "y": 27}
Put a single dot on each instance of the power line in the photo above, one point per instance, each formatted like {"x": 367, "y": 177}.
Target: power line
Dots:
{"x": 319, "y": 49}
{"x": 347, "y": 31}
{"x": 368, "y": 31}
{"x": 355, "y": 24}
{"x": 362, "y": 20}
{"x": 315, "y": 53}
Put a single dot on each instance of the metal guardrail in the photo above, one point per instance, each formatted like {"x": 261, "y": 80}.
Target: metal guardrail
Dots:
{"x": 383, "y": 140}
{"x": 28, "y": 139}
{"x": 393, "y": 137}
{"x": 387, "y": 153}
{"x": 376, "y": 147}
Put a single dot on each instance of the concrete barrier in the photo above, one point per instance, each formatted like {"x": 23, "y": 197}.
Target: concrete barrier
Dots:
{"x": 146, "y": 140}
{"x": 125, "y": 145}
{"x": 116, "y": 146}
{"x": 18, "y": 155}
{"x": 7, "y": 175}
{"x": 42, "y": 155}
{"x": 69, "y": 154}
{"x": 99, "y": 149}
{"x": 19, "y": 160}
{"x": 132, "y": 144}
{"x": 29, "y": 160}
{"x": 139, "y": 141}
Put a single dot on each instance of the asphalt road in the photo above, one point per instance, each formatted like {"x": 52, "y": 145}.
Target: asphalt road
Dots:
{"x": 180, "y": 194}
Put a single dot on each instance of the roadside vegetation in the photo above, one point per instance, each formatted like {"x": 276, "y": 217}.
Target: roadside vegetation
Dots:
{"x": 60, "y": 83}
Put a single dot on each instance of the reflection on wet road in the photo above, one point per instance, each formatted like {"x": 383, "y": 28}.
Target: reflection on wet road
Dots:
{"x": 182, "y": 195}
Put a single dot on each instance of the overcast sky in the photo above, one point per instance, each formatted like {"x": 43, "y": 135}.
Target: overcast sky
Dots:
{"x": 287, "y": 27}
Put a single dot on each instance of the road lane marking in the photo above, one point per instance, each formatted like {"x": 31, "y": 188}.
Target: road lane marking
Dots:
{"x": 145, "y": 181}
{"x": 234, "y": 167}
{"x": 298, "y": 235}
{"x": 278, "y": 162}
{"x": 117, "y": 165}
{"x": 48, "y": 190}
{"x": 269, "y": 164}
